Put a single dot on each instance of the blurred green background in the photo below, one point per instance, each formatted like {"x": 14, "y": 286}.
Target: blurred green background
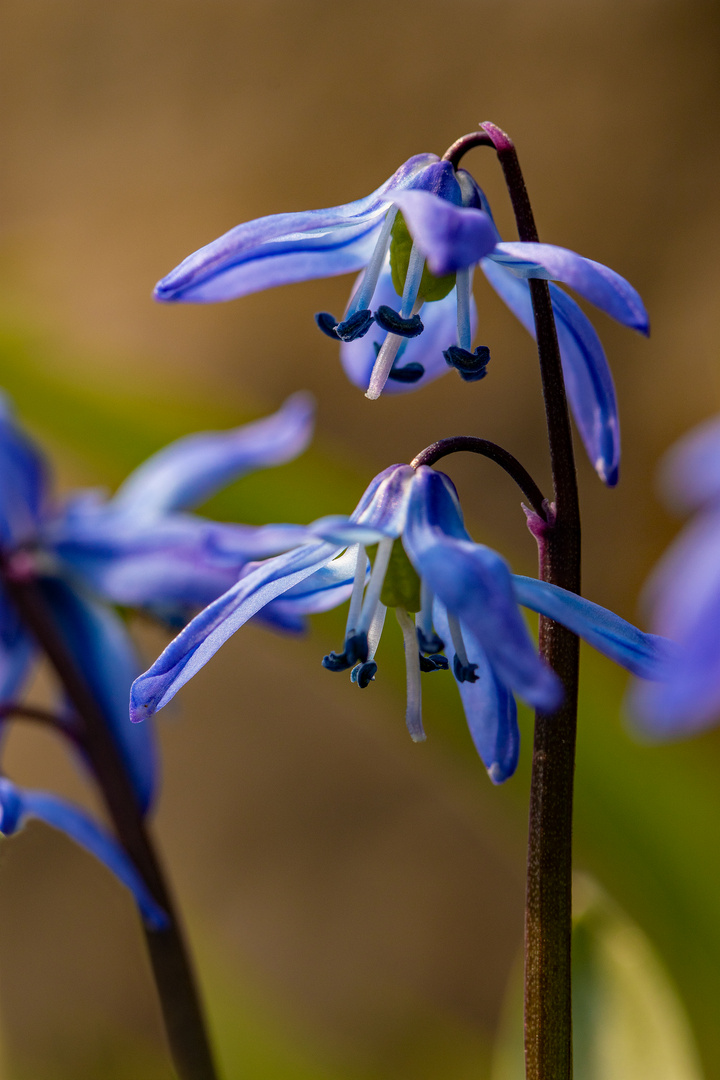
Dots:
{"x": 355, "y": 901}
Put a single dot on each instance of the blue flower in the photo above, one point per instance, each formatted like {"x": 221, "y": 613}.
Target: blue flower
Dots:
{"x": 416, "y": 240}
{"x": 463, "y": 597}
{"x": 137, "y": 549}
{"x": 684, "y": 595}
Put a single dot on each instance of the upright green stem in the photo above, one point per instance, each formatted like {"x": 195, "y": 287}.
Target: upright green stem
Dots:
{"x": 548, "y": 919}
{"x": 169, "y": 957}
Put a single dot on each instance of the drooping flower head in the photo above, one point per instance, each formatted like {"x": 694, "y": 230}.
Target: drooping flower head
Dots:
{"x": 139, "y": 549}
{"x": 684, "y": 595}
{"x": 456, "y": 601}
{"x": 411, "y": 316}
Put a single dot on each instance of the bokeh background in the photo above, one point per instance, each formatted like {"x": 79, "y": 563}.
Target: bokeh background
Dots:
{"x": 355, "y": 901}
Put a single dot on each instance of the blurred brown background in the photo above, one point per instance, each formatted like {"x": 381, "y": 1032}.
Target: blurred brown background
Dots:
{"x": 353, "y": 882}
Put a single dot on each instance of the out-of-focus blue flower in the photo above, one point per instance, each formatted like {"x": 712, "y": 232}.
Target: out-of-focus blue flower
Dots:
{"x": 684, "y": 595}
{"x": 412, "y": 314}
{"x": 462, "y": 596}
{"x": 137, "y": 549}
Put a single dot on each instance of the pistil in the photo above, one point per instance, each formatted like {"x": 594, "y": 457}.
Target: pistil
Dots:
{"x": 413, "y": 713}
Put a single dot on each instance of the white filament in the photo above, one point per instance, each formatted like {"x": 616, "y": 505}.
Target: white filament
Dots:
{"x": 457, "y": 639}
{"x": 376, "y": 629}
{"x": 357, "y": 590}
{"x": 362, "y": 296}
{"x": 464, "y": 286}
{"x": 423, "y": 619}
{"x": 377, "y": 580}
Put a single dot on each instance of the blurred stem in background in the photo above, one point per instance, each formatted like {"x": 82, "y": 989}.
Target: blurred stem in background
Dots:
{"x": 548, "y": 915}
{"x": 170, "y": 962}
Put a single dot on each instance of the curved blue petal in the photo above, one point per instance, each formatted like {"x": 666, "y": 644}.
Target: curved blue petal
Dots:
{"x": 490, "y": 708}
{"x": 450, "y": 237}
{"x": 190, "y": 470}
{"x": 103, "y": 652}
{"x": 440, "y": 331}
{"x": 283, "y": 248}
{"x": 475, "y": 584}
{"x": 204, "y": 635}
{"x": 589, "y": 384}
{"x": 646, "y": 655}
{"x": 326, "y": 588}
{"x": 384, "y": 503}
{"x": 23, "y": 481}
{"x": 17, "y": 805}
{"x": 597, "y": 283}
{"x": 690, "y": 472}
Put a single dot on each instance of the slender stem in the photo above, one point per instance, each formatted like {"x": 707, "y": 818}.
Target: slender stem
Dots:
{"x": 169, "y": 957}
{"x": 460, "y": 147}
{"x": 65, "y": 725}
{"x": 500, "y": 456}
{"x": 548, "y": 919}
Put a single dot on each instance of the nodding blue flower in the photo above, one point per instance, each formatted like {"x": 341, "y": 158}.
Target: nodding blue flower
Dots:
{"x": 683, "y": 595}
{"x": 411, "y": 316}
{"x": 138, "y": 549}
{"x": 456, "y": 601}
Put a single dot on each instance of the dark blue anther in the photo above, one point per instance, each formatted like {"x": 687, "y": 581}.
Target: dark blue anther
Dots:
{"x": 408, "y": 374}
{"x": 356, "y": 651}
{"x": 337, "y": 662}
{"x": 472, "y": 366}
{"x": 327, "y": 323}
{"x": 395, "y": 324}
{"x": 433, "y": 663}
{"x": 464, "y": 672}
{"x": 356, "y": 326}
{"x": 431, "y": 644}
{"x": 364, "y": 674}
{"x": 356, "y": 647}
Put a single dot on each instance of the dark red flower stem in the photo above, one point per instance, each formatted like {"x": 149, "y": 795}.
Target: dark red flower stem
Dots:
{"x": 548, "y": 917}
{"x": 491, "y": 450}
{"x": 172, "y": 969}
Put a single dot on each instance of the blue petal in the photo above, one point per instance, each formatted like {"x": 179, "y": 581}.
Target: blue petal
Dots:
{"x": 440, "y": 331}
{"x": 688, "y": 698}
{"x": 450, "y": 237}
{"x": 384, "y": 503}
{"x": 282, "y": 248}
{"x": 691, "y": 469}
{"x": 102, "y": 649}
{"x": 646, "y": 655}
{"x": 490, "y": 709}
{"x": 18, "y": 805}
{"x": 686, "y": 577}
{"x": 190, "y": 470}
{"x": 597, "y": 283}
{"x": 202, "y": 637}
{"x": 475, "y": 584}
{"x": 588, "y": 381}
{"x": 23, "y": 481}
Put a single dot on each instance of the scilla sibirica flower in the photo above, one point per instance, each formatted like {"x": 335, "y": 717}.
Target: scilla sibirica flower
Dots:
{"x": 684, "y": 595}
{"x": 449, "y": 593}
{"x": 138, "y": 549}
{"x": 412, "y": 315}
